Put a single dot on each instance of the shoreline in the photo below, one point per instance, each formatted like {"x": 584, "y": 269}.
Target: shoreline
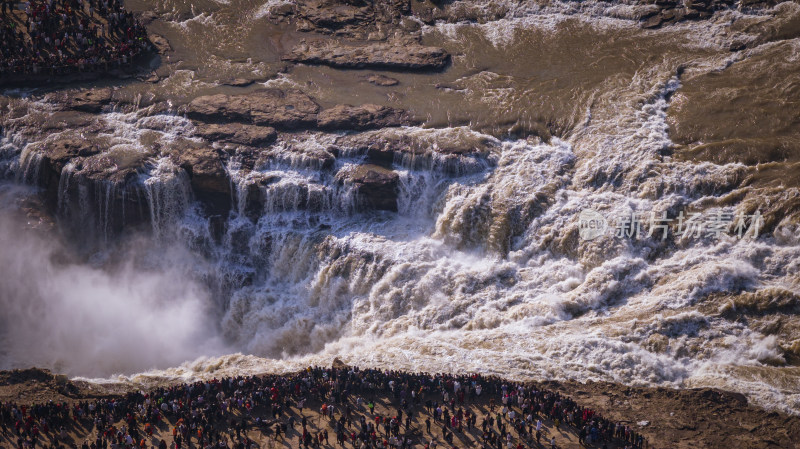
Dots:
{"x": 674, "y": 418}
{"x": 75, "y": 79}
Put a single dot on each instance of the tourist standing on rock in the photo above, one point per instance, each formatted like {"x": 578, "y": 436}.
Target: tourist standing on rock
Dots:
{"x": 197, "y": 409}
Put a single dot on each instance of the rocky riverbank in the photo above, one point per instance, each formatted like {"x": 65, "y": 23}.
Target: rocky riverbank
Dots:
{"x": 263, "y": 124}
{"x": 250, "y": 130}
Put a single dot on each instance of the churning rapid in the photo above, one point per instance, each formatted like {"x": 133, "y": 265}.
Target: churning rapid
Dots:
{"x": 225, "y": 213}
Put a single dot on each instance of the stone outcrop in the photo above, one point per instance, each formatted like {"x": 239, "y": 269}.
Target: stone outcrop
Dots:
{"x": 382, "y": 80}
{"x": 254, "y": 200}
{"x": 237, "y": 82}
{"x": 111, "y": 183}
{"x": 672, "y": 11}
{"x": 237, "y": 133}
{"x": 368, "y": 116}
{"x": 376, "y": 187}
{"x": 61, "y": 151}
{"x": 160, "y": 43}
{"x": 301, "y": 156}
{"x": 453, "y": 151}
{"x": 100, "y": 189}
{"x": 329, "y": 16}
{"x": 209, "y": 179}
{"x": 89, "y": 100}
{"x": 249, "y": 119}
{"x": 397, "y": 55}
{"x": 355, "y": 18}
{"x": 283, "y": 109}
{"x": 650, "y": 13}
{"x": 455, "y": 12}
{"x": 54, "y": 156}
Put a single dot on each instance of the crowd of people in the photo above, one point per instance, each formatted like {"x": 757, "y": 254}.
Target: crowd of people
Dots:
{"x": 416, "y": 411}
{"x": 66, "y": 36}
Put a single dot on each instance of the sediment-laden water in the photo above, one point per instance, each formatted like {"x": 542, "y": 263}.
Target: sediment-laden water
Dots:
{"x": 465, "y": 249}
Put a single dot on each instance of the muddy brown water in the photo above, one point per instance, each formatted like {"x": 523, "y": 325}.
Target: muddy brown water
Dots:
{"x": 584, "y": 108}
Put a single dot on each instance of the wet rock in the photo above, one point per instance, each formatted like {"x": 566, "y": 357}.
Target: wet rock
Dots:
{"x": 671, "y": 14}
{"x": 90, "y": 100}
{"x": 657, "y": 13}
{"x": 161, "y": 43}
{"x": 764, "y": 301}
{"x": 455, "y": 12}
{"x": 368, "y": 116}
{"x": 296, "y": 153}
{"x": 285, "y": 9}
{"x": 757, "y": 3}
{"x": 111, "y": 183}
{"x": 54, "y": 156}
{"x": 112, "y": 166}
{"x": 383, "y": 55}
{"x": 376, "y": 187}
{"x": 254, "y": 197}
{"x": 453, "y": 151}
{"x": 381, "y": 80}
{"x": 250, "y": 135}
{"x": 410, "y": 25}
{"x": 636, "y": 12}
{"x": 700, "y": 5}
{"x": 348, "y": 17}
{"x": 653, "y": 22}
{"x": 286, "y": 109}
{"x": 237, "y": 82}
{"x": 61, "y": 151}
{"x": 209, "y": 179}
{"x": 331, "y": 16}
{"x": 691, "y": 14}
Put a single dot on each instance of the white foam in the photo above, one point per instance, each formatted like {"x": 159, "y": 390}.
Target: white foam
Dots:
{"x": 482, "y": 269}
{"x": 268, "y": 8}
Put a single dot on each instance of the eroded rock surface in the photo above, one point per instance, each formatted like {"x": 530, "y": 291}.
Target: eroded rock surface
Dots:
{"x": 209, "y": 179}
{"x": 379, "y": 55}
{"x": 349, "y": 17}
{"x": 454, "y": 151}
{"x": 382, "y": 80}
{"x": 368, "y": 116}
{"x": 88, "y": 100}
{"x": 286, "y": 109}
{"x": 375, "y": 186}
{"x": 237, "y": 133}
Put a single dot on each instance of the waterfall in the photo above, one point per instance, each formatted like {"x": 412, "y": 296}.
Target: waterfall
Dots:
{"x": 169, "y": 195}
{"x": 30, "y": 166}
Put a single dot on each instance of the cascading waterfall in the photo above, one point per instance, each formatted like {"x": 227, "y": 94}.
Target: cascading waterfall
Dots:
{"x": 483, "y": 267}
{"x": 471, "y": 250}
{"x": 30, "y": 163}
{"x": 168, "y": 193}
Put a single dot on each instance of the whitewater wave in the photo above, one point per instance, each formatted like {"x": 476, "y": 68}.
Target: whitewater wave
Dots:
{"x": 482, "y": 269}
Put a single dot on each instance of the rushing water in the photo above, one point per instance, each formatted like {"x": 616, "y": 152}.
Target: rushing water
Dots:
{"x": 482, "y": 268}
